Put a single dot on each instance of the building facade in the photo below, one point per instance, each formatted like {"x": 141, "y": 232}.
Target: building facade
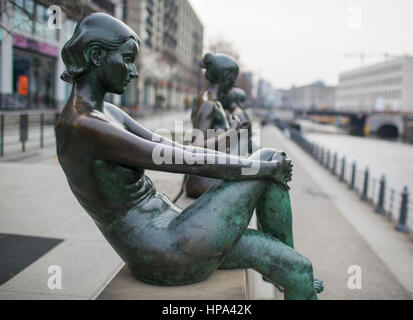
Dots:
{"x": 385, "y": 86}
{"x": 31, "y": 65}
{"x": 264, "y": 94}
{"x": 170, "y": 54}
{"x": 315, "y": 96}
{"x": 30, "y": 61}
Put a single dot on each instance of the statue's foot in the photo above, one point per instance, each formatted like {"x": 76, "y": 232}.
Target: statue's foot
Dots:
{"x": 318, "y": 286}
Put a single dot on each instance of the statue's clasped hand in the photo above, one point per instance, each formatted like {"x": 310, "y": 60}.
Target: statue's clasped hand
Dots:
{"x": 236, "y": 124}
{"x": 283, "y": 169}
{"x": 246, "y": 124}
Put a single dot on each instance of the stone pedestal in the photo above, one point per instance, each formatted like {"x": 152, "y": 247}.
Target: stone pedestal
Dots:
{"x": 221, "y": 285}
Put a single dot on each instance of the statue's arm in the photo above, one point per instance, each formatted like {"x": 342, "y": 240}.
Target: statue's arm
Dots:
{"x": 113, "y": 143}
{"x": 137, "y": 129}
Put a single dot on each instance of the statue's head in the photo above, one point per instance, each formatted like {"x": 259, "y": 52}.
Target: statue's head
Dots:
{"x": 240, "y": 95}
{"x": 104, "y": 49}
{"x": 235, "y": 97}
{"x": 220, "y": 69}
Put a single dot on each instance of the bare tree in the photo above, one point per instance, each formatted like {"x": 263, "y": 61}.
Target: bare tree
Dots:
{"x": 74, "y": 9}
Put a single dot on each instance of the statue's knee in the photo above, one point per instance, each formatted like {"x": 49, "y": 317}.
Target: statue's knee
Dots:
{"x": 302, "y": 266}
{"x": 305, "y": 266}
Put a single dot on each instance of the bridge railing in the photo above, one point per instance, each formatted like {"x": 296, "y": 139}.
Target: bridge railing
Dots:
{"x": 386, "y": 201}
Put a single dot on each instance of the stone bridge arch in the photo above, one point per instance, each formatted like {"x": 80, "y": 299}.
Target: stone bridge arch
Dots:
{"x": 385, "y": 125}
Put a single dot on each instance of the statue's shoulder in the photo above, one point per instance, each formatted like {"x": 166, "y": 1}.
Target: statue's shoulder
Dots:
{"x": 115, "y": 112}
{"x": 113, "y": 109}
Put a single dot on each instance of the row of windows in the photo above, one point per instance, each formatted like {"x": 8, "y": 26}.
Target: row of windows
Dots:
{"x": 31, "y": 17}
{"x": 390, "y": 95}
{"x": 345, "y": 77}
{"x": 373, "y": 84}
{"x": 188, "y": 44}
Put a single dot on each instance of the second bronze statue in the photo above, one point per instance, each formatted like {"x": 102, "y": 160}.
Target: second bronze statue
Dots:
{"x": 219, "y": 117}
{"x": 104, "y": 154}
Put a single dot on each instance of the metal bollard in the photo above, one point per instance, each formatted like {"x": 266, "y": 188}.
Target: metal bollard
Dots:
{"x": 41, "y": 130}
{"x": 1, "y": 135}
{"x": 328, "y": 160}
{"x": 402, "y": 225}
{"x": 343, "y": 170}
{"x": 380, "y": 205}
{"x": 364, "y": 195}
{"x": 322, "y": 156}
{"x": 334, "y": 169}
{"x": 390, "y": 213}
{"x": 24, "y": 130}
{"x": 353, "y": 176}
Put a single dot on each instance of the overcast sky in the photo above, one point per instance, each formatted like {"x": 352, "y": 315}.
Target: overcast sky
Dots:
{"x": 299, "y": 41}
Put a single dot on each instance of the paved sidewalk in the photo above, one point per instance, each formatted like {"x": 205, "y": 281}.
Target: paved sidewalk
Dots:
{"x": 36, "y": 200}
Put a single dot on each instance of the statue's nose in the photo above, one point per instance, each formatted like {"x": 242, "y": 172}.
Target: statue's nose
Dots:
{"x": 134, "y": 73}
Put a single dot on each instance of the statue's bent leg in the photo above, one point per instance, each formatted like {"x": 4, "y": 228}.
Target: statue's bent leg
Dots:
{"x": 274, "y": 214}
{"x": 222, "y": 214}
{"x": 207, "y": 231}
{"x": 276, "y": 261}
{"x": 273, "y": 210}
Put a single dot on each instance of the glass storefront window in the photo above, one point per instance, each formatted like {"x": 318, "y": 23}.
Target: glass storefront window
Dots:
{"x": 37, "y": 72}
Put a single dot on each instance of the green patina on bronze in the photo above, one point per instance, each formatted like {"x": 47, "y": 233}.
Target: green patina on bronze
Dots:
{"x": 104, "y": 154}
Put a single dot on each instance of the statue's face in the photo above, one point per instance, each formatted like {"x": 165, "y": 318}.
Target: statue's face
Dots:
{"x": 119, "y": 67}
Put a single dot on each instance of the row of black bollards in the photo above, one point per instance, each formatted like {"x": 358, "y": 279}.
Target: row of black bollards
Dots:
{"x": 324, "y": 157}
{"x": 364, "y": 195}
{"x": 23, "y": 130}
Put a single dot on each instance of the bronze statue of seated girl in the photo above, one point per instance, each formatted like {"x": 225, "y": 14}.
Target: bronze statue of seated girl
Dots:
{"x": 213, "y": 117}
{"x": 104, "y": 154}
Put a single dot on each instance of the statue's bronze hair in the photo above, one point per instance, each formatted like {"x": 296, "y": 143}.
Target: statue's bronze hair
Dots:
{"x": 96, "y": 29}
{"x": 217, "y": 64}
